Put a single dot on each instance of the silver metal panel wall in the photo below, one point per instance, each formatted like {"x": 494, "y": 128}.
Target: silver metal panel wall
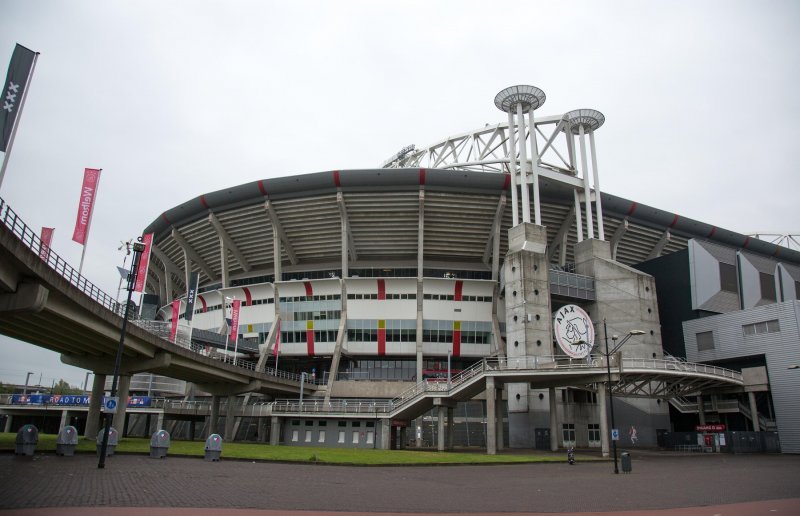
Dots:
{"x": 781, "y": 349}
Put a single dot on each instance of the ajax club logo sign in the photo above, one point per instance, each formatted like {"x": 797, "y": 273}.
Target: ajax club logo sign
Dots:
{"x": 574, "y": 331}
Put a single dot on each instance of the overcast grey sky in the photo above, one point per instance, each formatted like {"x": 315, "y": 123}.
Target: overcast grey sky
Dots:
{"x": 173, "y": 99}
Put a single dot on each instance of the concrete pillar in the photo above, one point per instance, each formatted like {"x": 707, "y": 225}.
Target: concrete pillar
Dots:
{"x": 499, "y": 410}
{"x": 602, "y": 400}
{"x": 9, "y": 419}
{"x": 700, "y": 410}
{"x": 753, "y": 411}
{"x": 553, "y": 420}
{"x": 262, "y": 429}
{"x": 64, "y": 419}
{"x": 403, "y": 437}
{"x": 148, "y": 419}
{"x": 386, "y": 434}
{"x": 450, "y": 428}
{"x": 123, "y": 391}
{"x": 441, "y": 414}
{"x": 229, "y": 418}
{"x": 491, "y": 417}
{"x": 214, "y": 417}
{"x": 275, "y": 431}
{"x": 93, "y": 416}
{"x": 159, "y": 421}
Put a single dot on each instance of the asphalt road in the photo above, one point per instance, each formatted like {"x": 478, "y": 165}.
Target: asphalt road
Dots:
{"x": 658, "y": 481}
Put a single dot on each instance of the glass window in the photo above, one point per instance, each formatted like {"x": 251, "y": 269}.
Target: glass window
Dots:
{"x": 355, "y": 437}
{"x": 370, "y": 437}
{"x": 767, "y": 286}
{"x": 341, "y": 437}
{"x": 308, "y": 436}
{"x": 705, "y": 341}
{"x": 727, "y": 277}
{"x": 594, "y": 432}
{"x": 295, "y": 435}
{"x": 321, "y": 436}
{"x": 568, "y": 432}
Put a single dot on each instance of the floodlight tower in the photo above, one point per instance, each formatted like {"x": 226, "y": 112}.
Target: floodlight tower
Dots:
{"x": 579, "y": 122}
{"x": 522, "y": 99}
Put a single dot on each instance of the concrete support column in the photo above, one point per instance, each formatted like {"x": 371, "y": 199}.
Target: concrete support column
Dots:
{"x": 602, "y": 399}
{"x": 275, "y": 431}
{"x": 262, "y": 429}
{"x": 159, "y": 421}
{"x": 9, "y": 420}
{"x": 553, "y": 419}
{"x": 420, "y": 356}
{"x": 441, "y": 414}
{"x": 403, "y": 438}
{"x": 123, "y": 391}
{"x": 491, "y": 417}
{"x": 753, "y": 411}
{"x": 64, "y": 419}
{"x": 230, "y": 409}
{"x": 450, "y": 428}
{"x": 499, "y": 411}
{"x": 93, "y": 416}
{"x": 386, "y": 434}
{"x": 223, "y": 262}
{"x": 276, "y": 253}
{"x": 214, "y": 417}
{"x": 700, "y": 410}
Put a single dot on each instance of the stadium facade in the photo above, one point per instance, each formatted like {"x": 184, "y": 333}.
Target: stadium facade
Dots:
{"x": 372, "y": 280}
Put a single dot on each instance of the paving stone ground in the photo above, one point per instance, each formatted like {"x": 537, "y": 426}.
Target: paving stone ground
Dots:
{"x": 40, "y": 484}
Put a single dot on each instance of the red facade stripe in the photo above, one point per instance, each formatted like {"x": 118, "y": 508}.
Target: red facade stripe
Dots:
{"x": 262, "y": 188}
{"x": 674, "y": 221}
{"x": 204, "y": 203}
{"x": 336, "y": 179}
{"x": 381, "y": 341}
{"x": 459, "y": 288}
{"x": 164, "y": 216}
{"x": 421, "y": 176}
{"x": 746, "y": 242}
{"x": 248, "y": 297}
{"x": 381, "y": 289}
{"x": 507, "y": 182}
{"x": 310, "y": 342}
{"x": 456, "y": 343}
{"x": 203, "y": 302}
{"x": 711, "y": 233}
{"x": 309, "y": 289}
{"x": 632, "y": 208}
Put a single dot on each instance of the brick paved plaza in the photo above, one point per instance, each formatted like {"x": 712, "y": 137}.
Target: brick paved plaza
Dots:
{"x": 658, "y": 481}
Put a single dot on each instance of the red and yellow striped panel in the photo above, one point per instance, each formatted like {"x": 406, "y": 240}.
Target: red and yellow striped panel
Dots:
{"x": 310, "y": 338}
{"x": 381, "y": 337}
{"x": 456, "y": 338}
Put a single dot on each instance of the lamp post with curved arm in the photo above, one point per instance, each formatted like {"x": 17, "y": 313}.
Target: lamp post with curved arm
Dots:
{"x": 608, "y": 354}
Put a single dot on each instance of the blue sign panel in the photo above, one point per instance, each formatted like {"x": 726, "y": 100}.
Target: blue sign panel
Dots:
{"x": 72, "y": 400}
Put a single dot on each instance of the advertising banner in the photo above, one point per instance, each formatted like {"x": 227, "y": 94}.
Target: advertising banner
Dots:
{"x": 176, "y": 311}
{"x": 191, "y": 295}
{"x": 19, "y": 70}
{"x": 47, "y": 239}
{"x": 91, "y": 179}
{"x": 144, "y": 262}
{"x": 235, "y": 307}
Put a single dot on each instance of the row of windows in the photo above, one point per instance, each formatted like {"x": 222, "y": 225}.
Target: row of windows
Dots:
{"x": 375, "y": 296}
{"x": 451, "y": 297}
{"x": 356, "y": 436}
{"x": 300, "y": 299}
{"x": 467, "y": 337}
{"x": 362, "y": 335}
{"x": 568, "y": 432}
{"x": 320, "y": 315}
{"x": 302, "y": 336}
{"x": 353, "y": 424}
{"x": 762, "y": 327}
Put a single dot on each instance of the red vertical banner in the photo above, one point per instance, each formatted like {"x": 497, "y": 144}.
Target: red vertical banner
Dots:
{"x": 176, "y": 310}
{"x": 91, "y": 179}
{"x": 236, "y": 307}
{"x": 277, "y": 339}
{"x": 310, "y": 338}
{"x": 47, "y": 239}
{"x": 381, "y": 289}
{"x": 381, "y": 337}
{"x": 459, "y": 289}
{"x": 456, "y": 338}
{"x": 144, "y": 262}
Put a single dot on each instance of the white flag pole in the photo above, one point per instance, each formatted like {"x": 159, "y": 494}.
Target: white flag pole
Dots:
{"x": 89, "y": 223}
{"x": 16, "y": 120}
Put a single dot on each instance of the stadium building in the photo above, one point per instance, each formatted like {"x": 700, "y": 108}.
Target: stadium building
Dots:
{"x": 370, "y": 281}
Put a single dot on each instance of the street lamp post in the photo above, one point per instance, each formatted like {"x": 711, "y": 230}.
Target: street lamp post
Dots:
{"x": 138, "y": 249}
{"x": 25, "y": 389}
{"x": 608, "y": 370}
{"x": 449, "y": 353}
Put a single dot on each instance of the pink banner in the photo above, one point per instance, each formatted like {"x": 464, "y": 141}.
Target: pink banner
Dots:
{"x": 144, "y": 261}
{"x": 91, "y": 179}
{"x": 176, "y": 310}
{"x": 47, "y": 239}
{"x": 277, "y": 339}
{"x": 235, "y": 307}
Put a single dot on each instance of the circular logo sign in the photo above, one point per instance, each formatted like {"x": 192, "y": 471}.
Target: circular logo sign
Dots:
{"x": 574, "y": 331}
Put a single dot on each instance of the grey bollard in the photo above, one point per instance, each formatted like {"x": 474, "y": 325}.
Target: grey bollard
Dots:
{"x": 213, "y": 447}
{"x": 27, "y": 438}
{"x": 159, "y": 444}
{"x": 66, "y": 441}
{"x": 113, "y": 440}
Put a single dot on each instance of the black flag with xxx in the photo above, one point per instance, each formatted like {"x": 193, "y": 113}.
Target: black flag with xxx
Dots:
{"x": 191, "y": 295}
{"x": 13, "y": 89}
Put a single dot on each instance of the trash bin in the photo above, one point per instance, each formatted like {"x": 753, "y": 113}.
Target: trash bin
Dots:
{"x": 159, "y": 444}
{"x": 27, "y": 438}
{"x": 113, "y": 440}
{"x": 213, "y": 447}
{"x": 626, "y": 462}
{"x": 66, "y": 441}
